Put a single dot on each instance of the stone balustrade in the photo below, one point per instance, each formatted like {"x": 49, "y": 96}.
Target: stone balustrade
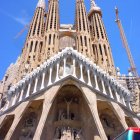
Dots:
{"x": 67, "y": 63}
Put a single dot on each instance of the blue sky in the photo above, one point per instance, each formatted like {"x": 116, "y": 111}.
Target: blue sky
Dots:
{"x": 16, "y": 14}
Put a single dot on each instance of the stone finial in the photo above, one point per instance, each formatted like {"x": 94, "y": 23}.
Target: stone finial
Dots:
{"x": 41, "y": 3}
{"x": 94, "y": 5}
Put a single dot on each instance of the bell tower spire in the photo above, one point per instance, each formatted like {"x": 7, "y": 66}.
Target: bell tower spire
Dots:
{"x": 52, "y": 29}
{"x": 32, "y": 53}
{"x": 41, "y": 4}
{"x": 82, "y": 27}
{"x": 100, "y": 44}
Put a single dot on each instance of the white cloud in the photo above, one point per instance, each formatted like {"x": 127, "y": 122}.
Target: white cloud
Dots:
{"x": 23, "y": 19}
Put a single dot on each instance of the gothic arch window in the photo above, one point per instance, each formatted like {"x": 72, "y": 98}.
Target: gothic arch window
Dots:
{"x": 49, "y": 39}
{"x": 41, "y": 44}
{"x": 100, "y": 49}
{"x": 31, "y": 46}
{"x": 93, "y": 48}
{"x": 85, "y": 40}
{"x": 35, "y": 46}
{"x": 81, "y": 40}
{"x": 54, "y": 39}
{"x": 105, "y": 49}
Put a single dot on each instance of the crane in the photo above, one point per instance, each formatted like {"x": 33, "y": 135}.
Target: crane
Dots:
{"x": 126, "y": 46}
{"x": 22, "y": 31}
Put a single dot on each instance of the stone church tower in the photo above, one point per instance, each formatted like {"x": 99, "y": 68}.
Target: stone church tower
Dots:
{"x": 100, "y": 44}
{"x": 64, "y": 85}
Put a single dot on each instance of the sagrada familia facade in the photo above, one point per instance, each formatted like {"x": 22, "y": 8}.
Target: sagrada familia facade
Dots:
{"x": 64, "y": 85}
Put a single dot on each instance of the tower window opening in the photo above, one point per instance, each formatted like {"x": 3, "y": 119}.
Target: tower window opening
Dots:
{"x": 91, "y": 30}
{"x": 100, "y": 49}
{"x": 81, "y": 40}
{"x": 49, "y": 39}
{"x": 35, "y": 46}
{"x": 9, "y": 86}
{"x": 34, "y": 57}
{"x": 85, "y": 41}
{"x": 6, "y": 77}
{"x": 105, "y": 50}
{"x": 41, "y": 44}
{"x": 31, "y": 46}
{"x": 54, "y": 39}
{"x": 93, "y": 47}
{"x": 89, "y": 40}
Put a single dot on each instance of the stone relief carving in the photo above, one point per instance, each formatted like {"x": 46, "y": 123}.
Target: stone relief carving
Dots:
{"x": 27, "y": 131}
{"x": 67, "y": 134}
{"x": 65, "y": 131}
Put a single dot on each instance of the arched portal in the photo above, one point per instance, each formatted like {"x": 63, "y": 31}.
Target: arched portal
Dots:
{"x": 5, "y": 126}
{"x": 29, "y": 121}
{"x": 70, "y": 117}
{"x": 111, "y": 124}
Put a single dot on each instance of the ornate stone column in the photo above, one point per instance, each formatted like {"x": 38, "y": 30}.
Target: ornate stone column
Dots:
{"x": 88, "y": 73}
{"x": 50, "y": 75}
{"x": 95, "y": 78}
{"x": 28, "y": 90}
{"x": 21, "y": 94}
{"x": 36, "y": 82}
{"x": 57, "y": 71}
{"x": 43, "y": 79}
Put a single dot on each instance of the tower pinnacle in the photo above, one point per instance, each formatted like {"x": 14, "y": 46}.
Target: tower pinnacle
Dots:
{"x": 41, "y": 3}
{"x": 94, "y": 5}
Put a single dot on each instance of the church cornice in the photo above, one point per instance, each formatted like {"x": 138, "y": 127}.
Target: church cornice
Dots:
{"x": 96, "y": 78}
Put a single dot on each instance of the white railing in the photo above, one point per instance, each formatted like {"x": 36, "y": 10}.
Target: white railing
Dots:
{"x": 67, "y": 63}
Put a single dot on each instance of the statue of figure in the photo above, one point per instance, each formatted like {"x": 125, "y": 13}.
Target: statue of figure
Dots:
{"x": 68, "y": 107}
{"x": 77, "y": 137}
{"x": 57, "y": 133}
{"x": 67, "y": 134}
{"x": 60, "y": 113}
{"x": 63, "y": 116}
